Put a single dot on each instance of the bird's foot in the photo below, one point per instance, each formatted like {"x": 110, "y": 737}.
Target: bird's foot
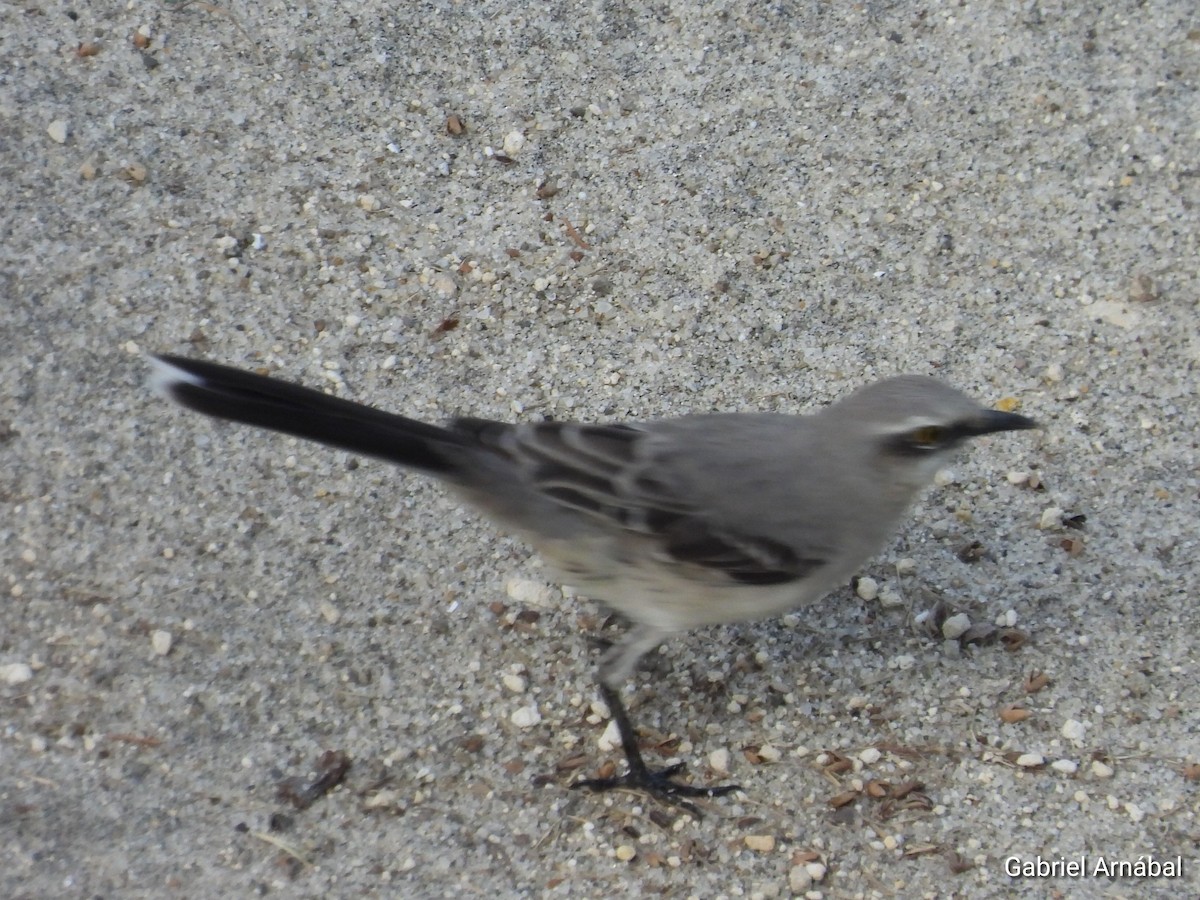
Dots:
{"x": 659, "y": 784}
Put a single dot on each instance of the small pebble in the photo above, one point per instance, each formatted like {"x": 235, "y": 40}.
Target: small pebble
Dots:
{"x": 57, "y": 131}
{"x": 799, "y": 880}
{"x": 956, "y": 626}
{"x": 870, "y": 756}
{"x": 529, "y": 592}
{"x": 526, "y": 717}
{"x": 1030, "y": 760}
{"x": 1101, "y": 770}
{"x": 906, "y": 566}
{"x": 890, "y": 598}
{"x": 1065, "y": 766}
{"x": 514, "y": 142}
{"x": 944, "y": 477}
{"x": 867, "y": 588}
{"x": 626, "y": 852}
{"x": 161, "y": 642}
{"x": 769, "y": 753}
{"x": 718, "y": 760}
{"x": 610, "y": 740}
{"x": 816, "y": 870}
{"x": 763, "y": 843}
{"x": 1135, "y": 812}
{"x": 1051, "y": 518}
{"x": 514, "y": 683}
{"x": 1073, "y": 731}
{"x": 15, "y": 673}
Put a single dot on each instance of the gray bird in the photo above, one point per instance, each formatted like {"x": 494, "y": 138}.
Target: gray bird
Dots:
{"x": 674, "y": 523}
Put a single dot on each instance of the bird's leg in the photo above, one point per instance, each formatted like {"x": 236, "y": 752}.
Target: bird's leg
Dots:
{"x": 658, "y": 783}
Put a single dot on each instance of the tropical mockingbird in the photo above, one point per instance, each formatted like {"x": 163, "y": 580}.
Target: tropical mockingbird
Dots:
{"x": 675, "y": 523}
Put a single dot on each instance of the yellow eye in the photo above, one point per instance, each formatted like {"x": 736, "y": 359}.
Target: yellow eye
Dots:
{"x": 927, "y": 435}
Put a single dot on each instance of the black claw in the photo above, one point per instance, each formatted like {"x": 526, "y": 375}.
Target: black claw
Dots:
{"x": 658, "y": 783}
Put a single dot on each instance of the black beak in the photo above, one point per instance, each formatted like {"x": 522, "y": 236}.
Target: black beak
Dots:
{"x": 989, "y": 421}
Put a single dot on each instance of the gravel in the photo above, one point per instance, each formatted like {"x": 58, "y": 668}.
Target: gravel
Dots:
{"x": 232, "y": 663}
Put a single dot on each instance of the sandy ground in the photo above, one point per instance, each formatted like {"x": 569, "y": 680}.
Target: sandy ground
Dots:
{"x": 649, "y": 209}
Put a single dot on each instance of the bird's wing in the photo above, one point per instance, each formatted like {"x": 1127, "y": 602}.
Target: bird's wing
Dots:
{"x": 619, "y": 475}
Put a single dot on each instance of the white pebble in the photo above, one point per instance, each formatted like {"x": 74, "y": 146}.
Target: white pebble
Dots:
{"x": 799, "y": 880}
{"x": 944, "y": 477}
{"x": 763, "y": 843}
{"x": 1007, "y": 619}
{"x": 1051, "y": 518}
{"x": 611, "y": 738}
{"x": 58, "y": 131}
{"x": 816, "y": 870}
{"x": 867, "y": 588}
{"x": 890, "y": 598}
{"x": 528, "y": 592}
{"x": 161, "y": 642}
{"x": 1053, "y": 373}
{"x": 769, "y": 753}
{"x": 514, "y": 683}
{"x": 1017, "y": 477}
{"x": 1135, "y": 812}
{"x": 1073, "y": 731}
{"x": 718, "y": 760}
{"x": 626, "y": 852}
{"x": 514, "y": 142}
{"x": 1030, "y": 760}
{"x": 526, "y": 717}
{"x": 906, "y": 566}
{"x": 1101, "y": 770}
{"x": 1065, "y": 766}
{"x": 15, "y": 673}
{"x": 956, "y": 626}
{"x": 870, "y": 756}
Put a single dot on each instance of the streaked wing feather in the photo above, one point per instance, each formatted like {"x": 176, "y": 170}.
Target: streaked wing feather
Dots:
{"x": 607, "y": 471}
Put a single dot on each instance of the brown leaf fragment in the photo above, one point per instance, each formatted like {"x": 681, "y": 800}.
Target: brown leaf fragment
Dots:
{"x": 1072, "y": 545}
{"x": 136, "y": 739}
{"x": 446, "y": 325}
{"x": 1012, "y": 713}
{"x": 845, "y": 798}
{"x": 920, "y": 850}
{"x": 1036, "y": 682}
{"x": 331, "y": 770}
{"x": 1013, "y": 639}
{"x": 877, "y": 790}
{"x": 902, "y": 790}
{"x": 972, "y": 552}
{"x": 571, "y": 763}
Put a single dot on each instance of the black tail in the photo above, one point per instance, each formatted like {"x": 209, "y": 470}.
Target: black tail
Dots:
{"x": 240, "y": 396}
